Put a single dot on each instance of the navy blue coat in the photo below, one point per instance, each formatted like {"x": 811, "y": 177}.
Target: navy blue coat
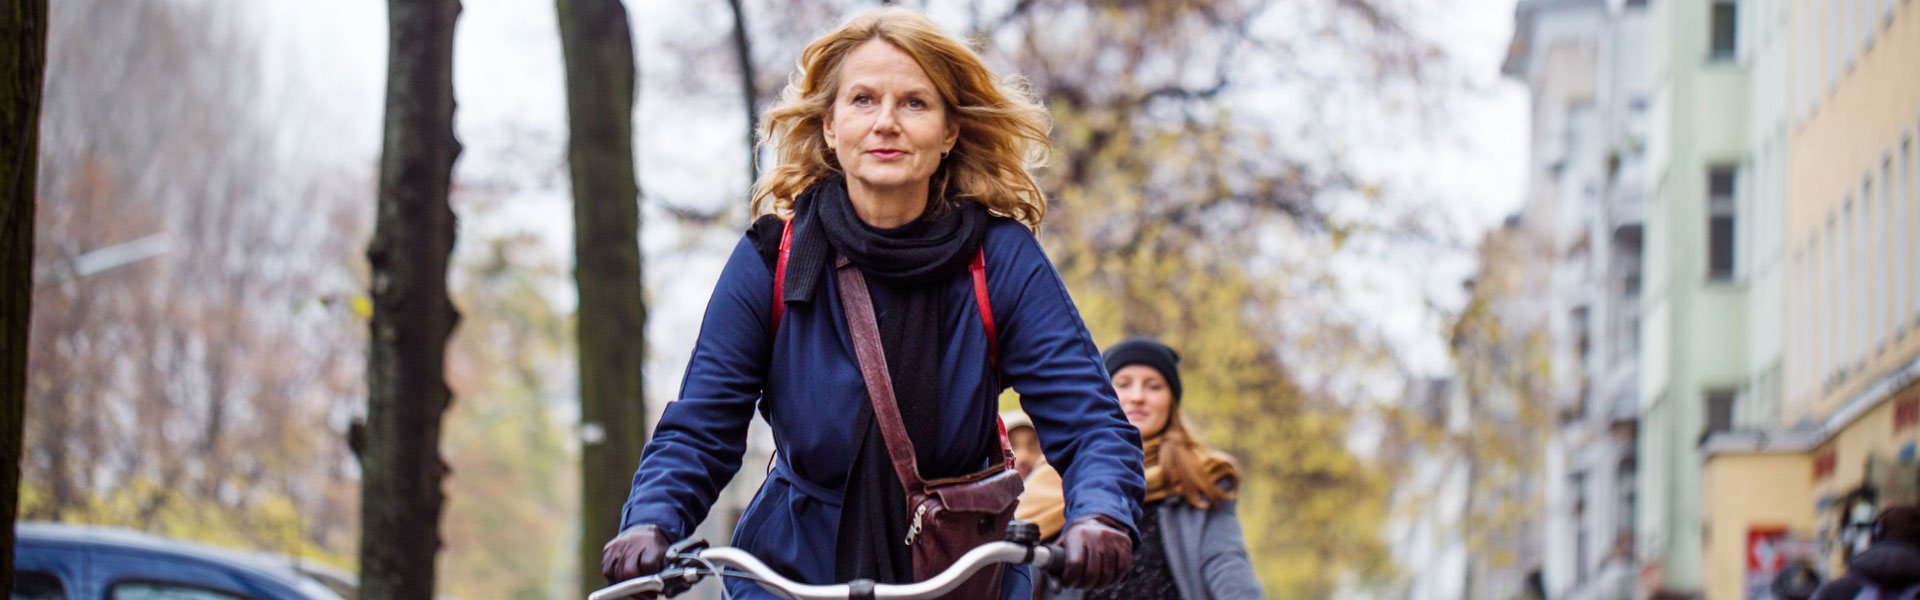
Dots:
{"x": 807, "y": 385}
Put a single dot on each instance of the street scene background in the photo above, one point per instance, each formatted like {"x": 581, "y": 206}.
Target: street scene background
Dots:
{"x": 1488, "y": 298}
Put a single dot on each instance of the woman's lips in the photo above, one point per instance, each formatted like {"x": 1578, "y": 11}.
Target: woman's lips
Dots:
{"x": 886, "y": 154}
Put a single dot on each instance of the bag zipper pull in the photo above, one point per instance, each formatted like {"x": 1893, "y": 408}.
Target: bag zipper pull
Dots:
{"x": 914, "y": 531}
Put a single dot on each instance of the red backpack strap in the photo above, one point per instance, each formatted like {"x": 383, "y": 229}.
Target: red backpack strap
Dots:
{"x": 780, "y": 275}
{"x": 980, "y": 298}
{"x": 985, "y": 302}
{"x": 1006, "y": 447}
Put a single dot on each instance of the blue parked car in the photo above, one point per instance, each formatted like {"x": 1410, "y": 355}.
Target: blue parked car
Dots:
{"x": 68, "y": 562}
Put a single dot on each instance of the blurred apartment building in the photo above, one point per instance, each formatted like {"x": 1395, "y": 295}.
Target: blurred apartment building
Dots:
{"x": 1839, "y": 441}
{"x": 1586, "y": 63}
{"x": 1461, "y": 528}
{"x": 1729, "y": 190}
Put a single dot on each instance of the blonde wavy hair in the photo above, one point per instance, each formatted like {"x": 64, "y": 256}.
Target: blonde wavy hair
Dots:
{"x": 1003, "y": 129}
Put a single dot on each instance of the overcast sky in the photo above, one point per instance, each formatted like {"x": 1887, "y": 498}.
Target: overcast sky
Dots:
{"x": 511, "y": 118}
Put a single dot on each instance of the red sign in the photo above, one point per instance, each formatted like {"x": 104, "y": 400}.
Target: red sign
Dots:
{"x": 1824, "y": 463}
{"x": 1767, "y": 550}
{"x": 1906, "y": 412}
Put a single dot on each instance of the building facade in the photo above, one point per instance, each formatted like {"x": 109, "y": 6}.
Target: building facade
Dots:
{"x": 1708, "y": 328}
{"x": 1586, "y": 64}
{"x": 1756, "y": 163}
{"x": 1842, "y": 443}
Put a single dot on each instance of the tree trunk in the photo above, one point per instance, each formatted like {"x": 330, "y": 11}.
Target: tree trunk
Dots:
{"x": 23, "y": 63}
{"x": 749, "y": 92}
{"x": 413, "y": 236}
{"x": 598, "y": 49}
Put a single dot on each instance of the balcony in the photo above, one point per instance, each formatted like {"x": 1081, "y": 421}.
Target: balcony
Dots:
{"x": 1626, "y": 207}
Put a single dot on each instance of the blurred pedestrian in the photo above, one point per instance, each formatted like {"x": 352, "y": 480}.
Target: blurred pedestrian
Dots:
{"x": 1798, "y": 581}
{"x": 1889, "y": 569}
{"x": 1191, "y": 545}
{"x": 1025, "y": 442}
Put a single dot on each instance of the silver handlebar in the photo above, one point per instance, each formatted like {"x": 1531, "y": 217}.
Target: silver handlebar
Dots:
{"x": 724, "y": 557}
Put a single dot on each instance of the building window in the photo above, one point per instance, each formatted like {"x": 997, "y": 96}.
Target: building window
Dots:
{"x": 1835, "y": 34}
{"x": 1719, "y": 411}
{"x": 1625, "y": 481}
{"x": 1868, "y": 18}
{"x": 1832, "y": 309}
{"x": 1793, "y": 307}
{"x": 1802, "y": 71}
{"x": 1910, "y": 157}
{"x": 1869, "y": 269}
{"x": 1720, "y": 223}
{"x": 1849, "y": 37}
{"x": 1862, "y": 245}
{"x": 1726, "y": 30}
{"x": 1886, "y": 317}
{"x": 1848, "y": 243}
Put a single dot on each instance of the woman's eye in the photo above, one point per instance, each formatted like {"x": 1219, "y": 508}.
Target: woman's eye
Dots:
{"x": 862, "y": 99}
{"x": 916, "y": 104}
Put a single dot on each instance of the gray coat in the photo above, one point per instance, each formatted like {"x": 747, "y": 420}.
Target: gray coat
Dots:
{"x": 1206, "y": 551}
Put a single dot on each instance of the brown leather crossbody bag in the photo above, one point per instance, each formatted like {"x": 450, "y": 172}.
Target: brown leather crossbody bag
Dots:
{"x": 946, "y": 517}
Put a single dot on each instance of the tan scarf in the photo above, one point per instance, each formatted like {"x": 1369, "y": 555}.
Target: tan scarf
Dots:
{"x": 1044, "y": 502}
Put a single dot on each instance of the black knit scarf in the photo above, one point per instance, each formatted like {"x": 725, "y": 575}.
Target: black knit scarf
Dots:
{"x": 908, "y": 270}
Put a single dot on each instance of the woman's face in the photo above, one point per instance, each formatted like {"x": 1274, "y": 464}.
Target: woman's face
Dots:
{"x": 1145, "y": 396}
{"x": 888, "y": 126}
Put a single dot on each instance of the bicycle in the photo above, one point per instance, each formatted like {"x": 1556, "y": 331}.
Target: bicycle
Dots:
{"x": 691, "y": 561}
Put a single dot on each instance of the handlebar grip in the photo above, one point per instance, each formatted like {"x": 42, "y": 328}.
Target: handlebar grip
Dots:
{"x": 1056, "y": 560}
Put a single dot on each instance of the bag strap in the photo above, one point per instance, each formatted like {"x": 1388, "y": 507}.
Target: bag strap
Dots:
{"x": 978, "y": 268}
{"x": 858, "y": 306}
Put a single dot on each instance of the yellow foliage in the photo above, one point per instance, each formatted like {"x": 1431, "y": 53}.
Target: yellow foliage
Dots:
{"x": 1311, "y": 509}
{"x": 267, "y": 522}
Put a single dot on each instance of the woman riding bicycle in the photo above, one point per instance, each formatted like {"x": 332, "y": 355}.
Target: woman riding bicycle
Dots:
{"x": 899, "y": 155}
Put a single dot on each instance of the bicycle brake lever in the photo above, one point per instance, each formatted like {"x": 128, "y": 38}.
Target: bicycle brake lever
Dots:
{"x": 686, "y": 548}
{"x": 677, "y": 581}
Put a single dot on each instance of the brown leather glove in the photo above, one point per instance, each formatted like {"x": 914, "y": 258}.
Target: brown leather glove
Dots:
{"x": 1098, "y": 552}
{"x": 636, "y": 552}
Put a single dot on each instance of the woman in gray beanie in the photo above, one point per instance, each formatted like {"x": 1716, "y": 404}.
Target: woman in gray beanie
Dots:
{"x": 1190, "y": 541}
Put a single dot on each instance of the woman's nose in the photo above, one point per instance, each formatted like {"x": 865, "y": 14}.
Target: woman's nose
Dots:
{"x": 886, "y": 122}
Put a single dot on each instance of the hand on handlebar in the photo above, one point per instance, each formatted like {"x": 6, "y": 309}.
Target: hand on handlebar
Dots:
{"x": 636, "y": 552}
{"x": 1098, "y": 552}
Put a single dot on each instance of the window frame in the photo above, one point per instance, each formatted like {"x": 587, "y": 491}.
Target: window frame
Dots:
{"x": 1708, "y": 397}
{"x": 1731, "y": 52}
{"x": 60, "y": 583}
{"x": 1885, "y": 316}
{"x": 1723, "y": 206}
{"x": 113, "y": 588}
{"x": 1830, "y": 311}
{"x": 1912, "y": 221}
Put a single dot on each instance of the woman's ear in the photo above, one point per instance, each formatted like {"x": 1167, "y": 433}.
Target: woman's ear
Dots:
{"x": 826, "y": 130}
{"x": 953, "y": 135}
